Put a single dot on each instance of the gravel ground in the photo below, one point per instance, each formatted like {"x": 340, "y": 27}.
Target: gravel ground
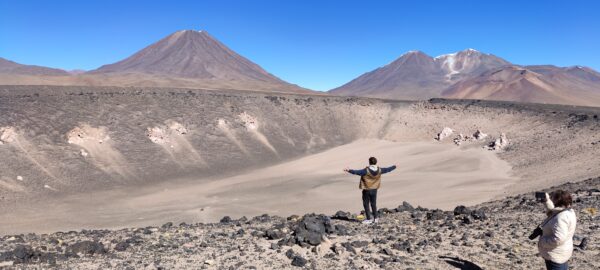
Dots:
{"x": 491, "y": 235}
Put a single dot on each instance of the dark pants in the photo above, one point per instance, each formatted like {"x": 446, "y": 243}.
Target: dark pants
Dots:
{"x": 550, "y": 265}
{"x": 370, "y": 197}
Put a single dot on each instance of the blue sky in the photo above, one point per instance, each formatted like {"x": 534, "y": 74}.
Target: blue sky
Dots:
{"x": 316, "y": 44}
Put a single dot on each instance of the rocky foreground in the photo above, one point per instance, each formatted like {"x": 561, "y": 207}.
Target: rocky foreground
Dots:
{"x": 492, "y": 235}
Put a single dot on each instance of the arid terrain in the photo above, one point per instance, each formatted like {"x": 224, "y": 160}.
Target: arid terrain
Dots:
{"x": 228, "y": 135}
{"x": 185, "y": 155}
{"x": 492, "y": 235}
{"x": 117, "y": 158}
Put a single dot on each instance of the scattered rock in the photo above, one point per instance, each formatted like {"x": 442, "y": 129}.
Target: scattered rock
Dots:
{"x": 86, "y": 248}
{"x": 584, "y": 244}
{"x": 446, "y": 132}
{"x": 341, "y": 215}
{"x": 311, "y": 229}
{"x": 226, "y": 219}
{"x": 405, "y": 207}
{"x": 273, "y": 234}
{"x": 461, "y": 210}
{"x": 298, "y": 261}
{"x": 500, "y": 143}
{"x": 122, "y": 246}
{"x": 403, "y": 246}
{"x": 478, "y": 135}
{"x": 387, "y": 251}
{"x": 479, "y": 214}
{"x": 7, "y": 135}
{"x": 435, "y": 214}
{"x": 459, "y": 139}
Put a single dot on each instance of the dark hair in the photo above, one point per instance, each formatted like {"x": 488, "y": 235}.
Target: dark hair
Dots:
{"x": 561, "y": 198}
{"x": 372, "y": 161}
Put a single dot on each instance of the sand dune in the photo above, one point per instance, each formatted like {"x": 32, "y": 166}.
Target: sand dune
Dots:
{"x": 430, "y": 174}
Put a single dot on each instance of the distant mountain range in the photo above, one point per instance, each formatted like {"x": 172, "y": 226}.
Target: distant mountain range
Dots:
{"x": 187, "y": 58}
{"x": 10, "y": 67}
{"x": 194, "y": 59}
{"x": 470, "y": 74}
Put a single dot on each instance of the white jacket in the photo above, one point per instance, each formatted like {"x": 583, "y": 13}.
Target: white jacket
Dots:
{"x": 556, "y": 243}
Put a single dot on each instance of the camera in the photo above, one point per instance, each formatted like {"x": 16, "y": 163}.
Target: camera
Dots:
{"x": 537, "y": 232}
{"x": 540, "y": 196}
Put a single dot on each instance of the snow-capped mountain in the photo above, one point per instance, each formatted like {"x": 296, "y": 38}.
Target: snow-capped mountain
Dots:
{"x": 470, "y": 74}
{"x": 416, "y": 75}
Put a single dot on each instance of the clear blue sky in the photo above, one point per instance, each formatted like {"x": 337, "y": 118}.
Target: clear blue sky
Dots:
{"x": 316, "y": 44}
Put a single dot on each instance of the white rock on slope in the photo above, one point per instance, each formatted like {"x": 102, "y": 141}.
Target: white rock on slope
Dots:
{"x": 499, "y": 143}
{"x": 446, "y": 132}
{"x": 458, "y": 140}
{"x": 7, "y": 134}
{"x": 478, "y": 135}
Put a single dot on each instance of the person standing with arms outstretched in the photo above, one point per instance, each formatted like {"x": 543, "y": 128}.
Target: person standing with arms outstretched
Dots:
{"x": 370, "y": 180}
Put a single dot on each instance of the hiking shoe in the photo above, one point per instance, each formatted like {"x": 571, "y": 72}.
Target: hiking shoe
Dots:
{"x": 367, "y": 221}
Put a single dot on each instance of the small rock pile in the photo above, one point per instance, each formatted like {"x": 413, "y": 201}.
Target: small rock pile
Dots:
{"x": 497, "y": 144}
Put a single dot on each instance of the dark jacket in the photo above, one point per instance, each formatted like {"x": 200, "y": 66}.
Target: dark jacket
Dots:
{"x": 363, "y": 172}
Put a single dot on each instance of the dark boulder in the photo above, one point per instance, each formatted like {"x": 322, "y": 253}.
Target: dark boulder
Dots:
{"x": 298, "y": 261}
{"x": 405, "y": 207}
{"x": 23, "y": 253}
{"x": 341, "y": 215}
{"x": 290, "y": 253}
{"x": 462, "y": 210}
{"x": 466, "y": 220}
{"x": 226, "y": 219}
{"x": 311, "y": 229}
{"x": 20, "y": 254}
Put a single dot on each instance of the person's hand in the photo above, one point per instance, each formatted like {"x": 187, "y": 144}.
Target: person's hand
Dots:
{"x": 346, "y": 170}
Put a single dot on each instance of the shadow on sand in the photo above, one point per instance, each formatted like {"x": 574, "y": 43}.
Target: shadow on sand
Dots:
{"x": 460, "y": 263}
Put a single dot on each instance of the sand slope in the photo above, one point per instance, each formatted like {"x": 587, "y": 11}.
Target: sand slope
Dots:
{"x": 430, "y": 174}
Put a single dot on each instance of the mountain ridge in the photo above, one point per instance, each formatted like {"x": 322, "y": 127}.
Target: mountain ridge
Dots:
{"x": 11, "y": 67}
{"x": 463, "y": 75}
{"x": 186, "y": 59}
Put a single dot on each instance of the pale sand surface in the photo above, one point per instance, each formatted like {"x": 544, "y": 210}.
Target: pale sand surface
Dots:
{"x": 429, "y": 174}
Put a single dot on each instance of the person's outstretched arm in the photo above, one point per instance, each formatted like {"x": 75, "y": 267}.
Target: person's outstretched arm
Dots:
{"x": 549, "y": 205}
{"x": 388, "y": 169}
{"x": 362, "y": 172}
